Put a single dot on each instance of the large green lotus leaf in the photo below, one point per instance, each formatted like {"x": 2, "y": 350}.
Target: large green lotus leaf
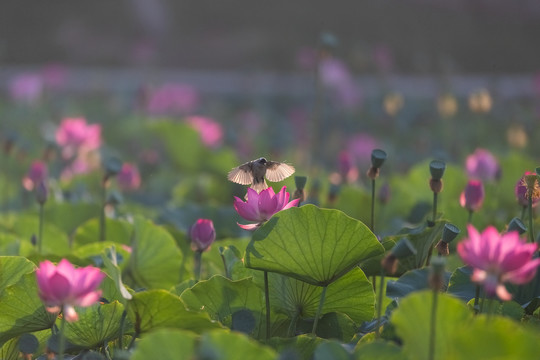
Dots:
{"x": 97, "y": 324}
{"x": 411, "y": 281}
{"x": 118, "y": 231}
{"x": 412, "y": 323}
{"x": 352, "y": 294}
{"x": 221, "y": 298}
{"x": 166, "y": 344}
{"x": 55, "y": 241}
{"x": 299, "y": 347}
{"x": 155, "y": 260}
{"x": 460, "y": 284}
{"x": 182, "y": 142}
{"x": 154, "y": 309}
{"x": 494, "y": 338}
{"x": 68, "y": 216}
{"x": 21, "y": 309}
{"x": 12, "y": 268}
{"x": 311, "y": 244}
{"x": 378, "y": 349}
{"x": 224, "y": 345}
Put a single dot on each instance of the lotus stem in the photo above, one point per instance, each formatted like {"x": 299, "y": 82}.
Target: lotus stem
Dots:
{"x": 476, "y": 298}
{"x": 319, "y": 310}
{"x": 292, "y": 325}
{"x": 372, "y": 224}
{"x": 379, "y": 305}
{"x": 197, "y": 264}
{"x": 434, "y": 207}
{"x": 62, "y": 338}
{"x": 40, "y": 229}
{"x": 267, "y": 304}
{"x": 432, "y": 337}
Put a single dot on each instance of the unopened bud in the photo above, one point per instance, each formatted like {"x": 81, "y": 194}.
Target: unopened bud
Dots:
{"x": 42, "y": 192}
{"x": 436, "y": 168}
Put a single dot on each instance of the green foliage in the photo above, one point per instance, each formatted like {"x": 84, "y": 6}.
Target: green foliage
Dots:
{"x": 155, "y": 261}
{"x": 310, "y": 244}
{"x": 155, "y": 309}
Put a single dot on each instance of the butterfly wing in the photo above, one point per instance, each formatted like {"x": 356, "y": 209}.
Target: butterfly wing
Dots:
{"x": 241, "y": 174}
{"x": 277, "y": 171}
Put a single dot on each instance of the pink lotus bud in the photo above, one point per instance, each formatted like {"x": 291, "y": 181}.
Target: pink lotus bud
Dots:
{"x": 202, "y": 234}
{"x": 473, "y": 195}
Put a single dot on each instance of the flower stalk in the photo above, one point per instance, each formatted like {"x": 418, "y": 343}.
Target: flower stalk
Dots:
{"x": 267, "y": 304}
{"x": 319, "y": 310}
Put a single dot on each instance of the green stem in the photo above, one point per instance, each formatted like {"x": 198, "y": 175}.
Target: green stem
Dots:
{"x": 40, "y": 231}
{"x": 374, "y": 282}
{"x": 292, "y": 326}
{"x": 372, "y": 227}
{"x": 319, "y": 310}
{"x": 197, "y": 264}
{"x": 531, "y": 228}
{"x": 523, "y": 210}
{"x": 62, "y": 338}
{"x": 432, "y": 336}
{"x": 430, "y": 253}
{"x": 267, "y": 304}
{"x": 102, "y": 214}
{"x": 434, "y": 206}
{"x": 469, "y": 220}
{"x": 379, "y": 305}
{"x": 476, "y": 298}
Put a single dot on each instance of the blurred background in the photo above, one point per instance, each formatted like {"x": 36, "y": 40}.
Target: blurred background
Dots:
{"x": 305, "y": 80}
{"x": 318, "y": 84}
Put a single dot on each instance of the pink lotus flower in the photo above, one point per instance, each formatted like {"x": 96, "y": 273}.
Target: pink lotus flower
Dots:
{"x": 482, "y": 165}
{"x": 202, "y": 234}
{"x": 129, "y": 178}
{"x": 210, "y": 131}
{"x": 62, "y": 287}
{"x": 521, "y": 191}
{"x": 497, "y": 259}
{"x": 473, "y": 196}
{"x": 259, "y": 207}
{"x": 74, "y": 136}
{"x": 36, "y": 174}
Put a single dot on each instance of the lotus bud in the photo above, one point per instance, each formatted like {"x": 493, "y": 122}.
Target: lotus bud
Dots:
{"x": 436, "y": 168}
{"x": 378, "y": 157}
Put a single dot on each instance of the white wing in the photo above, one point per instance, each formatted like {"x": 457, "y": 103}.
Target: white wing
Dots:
{"x": 276, "y": 171}
{"x": 241, "y": 175}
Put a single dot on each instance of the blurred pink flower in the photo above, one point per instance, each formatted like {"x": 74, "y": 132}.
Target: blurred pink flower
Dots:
{"x": 482, "y": 165}
{"x": 26, "y": 88}
{"x": 36, "y": 174}
{"x": 75, "y": 135}
{"x": 497, "y": 259}
{"x": 360, "y": 147}
{"x": 520, "y": 191}
{"x": 472, "y": 197}
{"x": 202, "y": 234}
{"x": 259, "y": 207}
{"x": 129, "y": 178}
{"x": 172, "y": 99}
{"x": 62, "y": 287}
{"x": 306, "y": 58}
{"x": 347, "y": 168}
{"x": 336, "y": 77}
{"x": 210, "y": 131}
